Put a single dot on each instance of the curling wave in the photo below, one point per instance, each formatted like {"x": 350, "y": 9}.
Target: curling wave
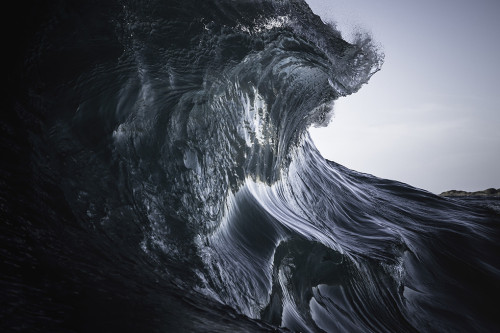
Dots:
{"x": 160, "y": 177}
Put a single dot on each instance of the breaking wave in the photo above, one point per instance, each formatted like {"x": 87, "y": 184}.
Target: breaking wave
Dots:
{"x": 159, "y": 176}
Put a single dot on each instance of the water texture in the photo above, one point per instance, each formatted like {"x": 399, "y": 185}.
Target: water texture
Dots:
{"x": 158, "y": 176}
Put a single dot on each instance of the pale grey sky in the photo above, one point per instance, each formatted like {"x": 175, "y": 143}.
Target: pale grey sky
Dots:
{"x": 431, "y": 116}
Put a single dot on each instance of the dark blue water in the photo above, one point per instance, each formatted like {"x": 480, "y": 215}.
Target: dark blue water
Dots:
{"x": 157, "y": 176}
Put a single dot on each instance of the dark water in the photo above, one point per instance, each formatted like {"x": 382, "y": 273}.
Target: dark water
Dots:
{"x": 157, "y": 176}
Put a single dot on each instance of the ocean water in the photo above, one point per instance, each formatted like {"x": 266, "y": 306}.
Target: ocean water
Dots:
{"x": 157, "y": 175}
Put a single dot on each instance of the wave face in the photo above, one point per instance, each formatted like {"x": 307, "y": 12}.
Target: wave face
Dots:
{"x": 159, "y": 176}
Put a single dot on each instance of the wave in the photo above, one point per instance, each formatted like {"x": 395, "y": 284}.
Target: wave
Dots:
{"x": 159, "y": 176}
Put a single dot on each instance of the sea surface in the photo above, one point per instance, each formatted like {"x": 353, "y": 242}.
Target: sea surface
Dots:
{"x": 157, "y": 175}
